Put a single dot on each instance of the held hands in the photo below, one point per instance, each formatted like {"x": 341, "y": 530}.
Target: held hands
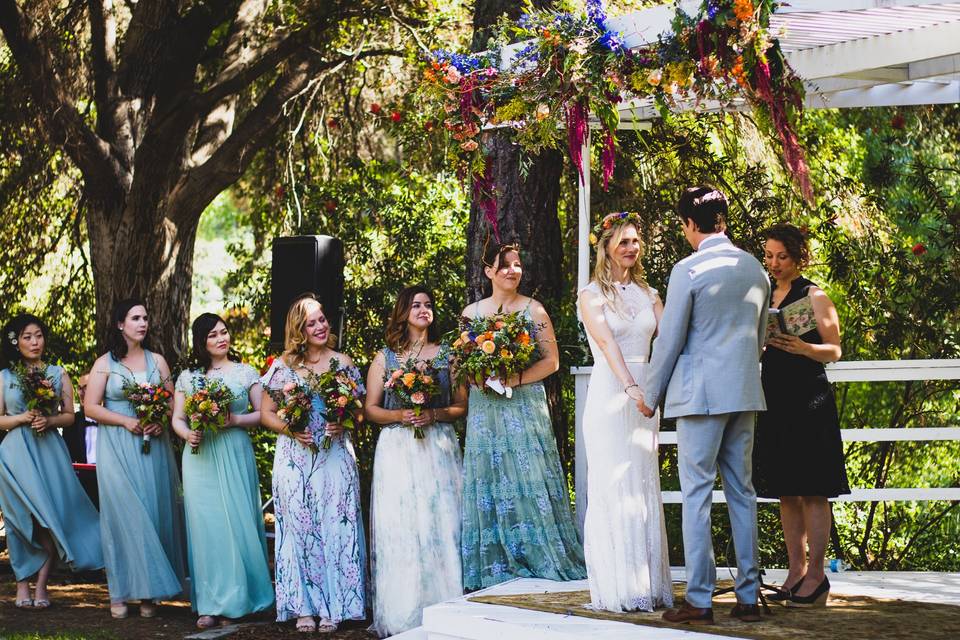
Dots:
{"x": 789, "y": 343}
{"x": 333, "y": 429}
{"x": 425, "y": 419}
{"x": 635, "y": 394}
{"x": 152, "y": 429}
{"x": 38, "y": 421}
{"x": 194, "y": 438}
{"x": 133, "y": 426}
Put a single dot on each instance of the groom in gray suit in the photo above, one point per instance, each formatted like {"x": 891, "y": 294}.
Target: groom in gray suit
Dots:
{"x": 706, "y": 360}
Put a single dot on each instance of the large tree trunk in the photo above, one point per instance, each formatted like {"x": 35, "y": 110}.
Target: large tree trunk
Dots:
{"x": 527, "y": 215}
{"x": 134, "y": 256}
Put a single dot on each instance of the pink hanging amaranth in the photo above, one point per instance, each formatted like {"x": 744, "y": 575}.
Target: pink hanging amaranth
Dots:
{"x": 792, "y": 150}
{"x": 485, "y": 196}
{"x": 577, "y": 114}
{"x": 608, "y": 157}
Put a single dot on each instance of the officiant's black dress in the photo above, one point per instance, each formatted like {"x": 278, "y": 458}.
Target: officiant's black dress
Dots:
{"x": 798, "y": 451}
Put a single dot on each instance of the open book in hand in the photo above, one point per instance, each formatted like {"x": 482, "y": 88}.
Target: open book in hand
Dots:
{"x": 795, "y": 319}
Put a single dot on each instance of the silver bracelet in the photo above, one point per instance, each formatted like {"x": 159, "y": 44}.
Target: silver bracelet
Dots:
{"x": 631, "y": 386}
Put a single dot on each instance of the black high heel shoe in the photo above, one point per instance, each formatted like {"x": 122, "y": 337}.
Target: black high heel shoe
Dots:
{"x": 783, "y": 592}
{"x": 816, "y": 599}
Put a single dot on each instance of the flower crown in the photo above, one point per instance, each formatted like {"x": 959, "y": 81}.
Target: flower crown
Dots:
{"x": 611, "y": 219}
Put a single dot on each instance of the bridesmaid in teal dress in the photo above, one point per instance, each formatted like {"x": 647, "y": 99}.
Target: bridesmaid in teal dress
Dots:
{"x": 46, "y": 513}
{"x": 141, "y": 512}
{"x": 516, "y": 521}
{"x": 226, "y": 544}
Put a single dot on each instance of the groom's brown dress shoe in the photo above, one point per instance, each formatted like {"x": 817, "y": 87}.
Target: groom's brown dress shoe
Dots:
{"x": 687, "y": 614}
{"x": 745, "y": 612}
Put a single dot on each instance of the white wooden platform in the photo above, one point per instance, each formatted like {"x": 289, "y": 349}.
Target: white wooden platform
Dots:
{"x": 459, "y": 619}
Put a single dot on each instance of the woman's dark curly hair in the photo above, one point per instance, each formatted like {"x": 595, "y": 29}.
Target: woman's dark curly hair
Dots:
{"x": 792, "y": 239}
{"x": 11, "y": 336}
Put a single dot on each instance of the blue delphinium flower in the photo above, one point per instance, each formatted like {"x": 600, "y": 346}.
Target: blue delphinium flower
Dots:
{"x": 596, "y": 13}
{"x": 712, "y": 9}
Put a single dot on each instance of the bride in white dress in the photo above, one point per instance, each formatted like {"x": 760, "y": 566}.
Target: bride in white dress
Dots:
{"x": 625, "y": 541}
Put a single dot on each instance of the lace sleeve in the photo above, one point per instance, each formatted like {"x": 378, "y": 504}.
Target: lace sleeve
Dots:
{"x": 185, "y": 382}
{"x": 248, "y": 375}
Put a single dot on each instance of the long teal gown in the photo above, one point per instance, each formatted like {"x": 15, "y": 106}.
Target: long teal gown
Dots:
{"x": 37, "y": 484}
{"x": 516, "y": 521}
{"x": 141, "y": 509}
{"x": 226, "y": 544}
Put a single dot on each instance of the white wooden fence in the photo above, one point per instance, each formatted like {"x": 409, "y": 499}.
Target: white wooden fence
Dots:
{"x": 863, "y": 371}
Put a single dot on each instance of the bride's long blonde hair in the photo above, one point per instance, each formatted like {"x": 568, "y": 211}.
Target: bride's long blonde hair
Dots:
{"x": 603, "y": 269}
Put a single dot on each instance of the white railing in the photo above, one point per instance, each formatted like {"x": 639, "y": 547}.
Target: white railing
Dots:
{"x": 863, "y": 371}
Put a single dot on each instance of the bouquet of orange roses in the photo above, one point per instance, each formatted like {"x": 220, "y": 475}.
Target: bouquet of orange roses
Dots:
{"x": 293, "y": 407}
{"x": 341, "y": 390}
{"x": 491, "y": 349}
{"x": 151, "y": 402}
{"x": 37, "y": 390}
{"x": 414, "y": 383}
{"x": 207, "y": 408}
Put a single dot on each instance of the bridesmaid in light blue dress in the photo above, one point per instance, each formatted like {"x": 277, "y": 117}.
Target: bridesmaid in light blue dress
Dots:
{"x": 226, "y": 544}
{"x": 517, "y": 521}
{"x": 46, "y": 513}
{"x": 141, "y": 509}
{"x": 320, "y": 550}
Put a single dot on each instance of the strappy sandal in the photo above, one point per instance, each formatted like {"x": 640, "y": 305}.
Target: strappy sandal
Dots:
{"x": 26, "y": 603}
{"x": 119, "y": 611}
{"x": 306, "y": 624}
{"x": 326, "y": 626}
{"x": 41, "y": 604}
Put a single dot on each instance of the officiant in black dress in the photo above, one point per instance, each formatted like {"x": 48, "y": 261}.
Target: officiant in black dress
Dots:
{"x": 798, "y": 455}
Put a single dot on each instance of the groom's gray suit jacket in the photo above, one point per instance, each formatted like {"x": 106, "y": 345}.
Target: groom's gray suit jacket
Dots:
{"x": 707, "y": 352}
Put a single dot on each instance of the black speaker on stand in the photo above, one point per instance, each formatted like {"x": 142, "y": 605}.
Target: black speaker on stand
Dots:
{"x": 306, "y": 264}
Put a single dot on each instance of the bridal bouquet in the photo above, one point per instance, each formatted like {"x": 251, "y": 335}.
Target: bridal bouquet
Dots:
{"x": 490, "y": 349}
{"x": 414, "y": 383}
{"x": 37, "y": 390}
{"x": 341, "y": 390}
{"x": 151, "y": 402}
{"x": 207, "y": 408}
{"x": 293, "y": 407}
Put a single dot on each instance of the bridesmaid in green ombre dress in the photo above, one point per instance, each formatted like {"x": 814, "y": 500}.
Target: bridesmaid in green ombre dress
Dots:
{"x": 517, "y": 521}
{"x": 226, "y": 544}
{"x": 46, "y": 512}
{"x": 141, "y": 513}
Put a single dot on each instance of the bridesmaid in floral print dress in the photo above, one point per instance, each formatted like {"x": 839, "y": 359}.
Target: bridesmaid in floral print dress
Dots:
{"x": 320, "y": 549}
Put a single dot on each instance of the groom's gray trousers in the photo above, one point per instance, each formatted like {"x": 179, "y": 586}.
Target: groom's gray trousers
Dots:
{"x": 704, "y": 443}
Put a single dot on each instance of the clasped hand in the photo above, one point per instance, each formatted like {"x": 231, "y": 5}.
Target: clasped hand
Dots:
{"x": 133, "y": 426}
{"x": 636, "y": 395}
{"x": 425, "y": 418}
{"x": 37, "y": 421}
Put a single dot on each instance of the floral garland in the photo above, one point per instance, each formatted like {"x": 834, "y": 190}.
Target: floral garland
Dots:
{"x": 619, "y": 218}
{"x": 574, "y": 65}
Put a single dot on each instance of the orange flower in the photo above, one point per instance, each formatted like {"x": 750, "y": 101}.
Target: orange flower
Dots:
{"x": 743, "y": 9}
{"x": 499, "y": 324}
{"x": 524, "y": 338}
{"x": 506, "y": 355}
{"x": 488, "y": 347}
{"x": 409, "y": 379}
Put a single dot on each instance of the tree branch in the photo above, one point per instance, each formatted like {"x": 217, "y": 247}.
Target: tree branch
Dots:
{"x": 228, "y": 163}
{"x": 66, "y": 127}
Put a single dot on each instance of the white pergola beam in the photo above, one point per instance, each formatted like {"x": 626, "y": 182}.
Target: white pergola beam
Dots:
{"x": 888, "y": 95}
{"x": 865, "y": 54}
{"x": 808, "y": 6}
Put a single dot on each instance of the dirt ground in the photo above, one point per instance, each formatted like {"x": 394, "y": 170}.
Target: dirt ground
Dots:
{"x": 79, "y": 611}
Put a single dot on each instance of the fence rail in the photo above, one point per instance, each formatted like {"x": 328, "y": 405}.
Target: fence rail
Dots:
{"x": 837, "y": 372}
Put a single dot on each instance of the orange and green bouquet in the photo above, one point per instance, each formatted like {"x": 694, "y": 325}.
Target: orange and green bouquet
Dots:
{"x": 414, "y": 383}
{"x": 151, "y": 402}
{"x": 37, "y": 389}
{"x": 491, "y": 349}
{"x": 208, "y": 408}
{"x": 293, "y": 407}
{"x": 341, "y": 390}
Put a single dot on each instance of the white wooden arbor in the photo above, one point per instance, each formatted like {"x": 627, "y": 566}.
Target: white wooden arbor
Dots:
{"x": 850, "y": 53}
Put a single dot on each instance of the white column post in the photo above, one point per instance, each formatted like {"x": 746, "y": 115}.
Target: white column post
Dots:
{"x": 583, "y": 277}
